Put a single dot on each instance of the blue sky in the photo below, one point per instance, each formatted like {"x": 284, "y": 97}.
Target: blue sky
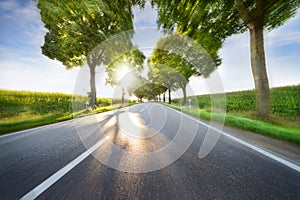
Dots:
{"x": 23, "y": 67}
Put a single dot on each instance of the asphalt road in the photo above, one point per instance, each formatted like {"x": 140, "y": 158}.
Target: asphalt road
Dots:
{"x": 77, "y": 159}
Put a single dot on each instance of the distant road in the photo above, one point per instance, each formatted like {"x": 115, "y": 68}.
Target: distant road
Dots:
{"x": 52, "y": 162}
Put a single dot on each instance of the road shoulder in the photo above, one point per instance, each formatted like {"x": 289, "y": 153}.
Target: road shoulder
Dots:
{"x": 286, "y": 150}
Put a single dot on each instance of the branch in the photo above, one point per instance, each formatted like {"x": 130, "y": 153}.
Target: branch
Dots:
{"x": 92, "y": 58}
{"x": 269, "y": 5}
{"x": 259, "y": 5}
{"x": 262, "y": 6}
{"x": 89, "y": 60}
{"x": 242, "y": 10}
{"x": 100, "y": 55}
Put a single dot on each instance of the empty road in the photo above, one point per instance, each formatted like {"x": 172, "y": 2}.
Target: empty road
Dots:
{"x": 147, "y": 151}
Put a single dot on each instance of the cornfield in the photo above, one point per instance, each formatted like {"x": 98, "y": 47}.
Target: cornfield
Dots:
{"x": 13, "y": 103}
{"x": 285, "y": 101}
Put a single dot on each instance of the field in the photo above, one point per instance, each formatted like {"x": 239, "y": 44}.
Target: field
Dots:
{"x": 285, "y": 102}
{"x": 283, "y": 123}
{"x": 19, "y": 103}
{"x": 24, "y": 109}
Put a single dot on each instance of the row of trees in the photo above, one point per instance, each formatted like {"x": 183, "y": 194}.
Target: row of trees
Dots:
{"x": 125, "y": 70}
{"x": 214, "y": 21}
{"x": 176, "y": 58}
{"x": 76, "y": 28}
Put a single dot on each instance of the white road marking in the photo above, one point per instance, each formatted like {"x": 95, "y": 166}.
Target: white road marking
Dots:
{"x": 145, "y": 108}
{"x": 251, "y": 146}
{"x": 55, "y": 177}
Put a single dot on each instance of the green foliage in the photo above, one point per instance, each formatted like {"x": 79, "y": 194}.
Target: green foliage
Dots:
{"x": 191, "y": 18}
{"x": 285, "y": 101}
{"x": 211, "y": 22}
{"x": 131, "y": 63}
{"x": 20, "y": 110}
{"x": 103, "y": 102}
{"x": 257, "y": 126}
{"x": 175, "y": 59}
{"x": 163, "y": 75}
{"x": 77, "y": 27}
{"x": 149, "y": 91}
{"x": 32, "y": 121}
{"x": 183, "y": 55}
{"x": 16, "y": 103}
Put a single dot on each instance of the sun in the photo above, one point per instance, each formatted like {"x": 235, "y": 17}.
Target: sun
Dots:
{"x": 122, "y": 72}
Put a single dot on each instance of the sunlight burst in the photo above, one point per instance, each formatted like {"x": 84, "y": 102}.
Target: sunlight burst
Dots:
{"x": 122, "y": 72}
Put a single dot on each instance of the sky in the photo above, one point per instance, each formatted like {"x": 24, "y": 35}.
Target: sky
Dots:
{"x": 23, "y": 67}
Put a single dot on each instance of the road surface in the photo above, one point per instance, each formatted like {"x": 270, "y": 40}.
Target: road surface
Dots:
{"x": 72, "y": 160}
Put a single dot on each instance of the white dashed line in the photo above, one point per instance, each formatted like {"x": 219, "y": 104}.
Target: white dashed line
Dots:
{"x": 55, "y": 177}
{"x": 251, "y": 146}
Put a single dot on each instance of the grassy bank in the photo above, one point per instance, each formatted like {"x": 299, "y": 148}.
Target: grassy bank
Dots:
{"x": 285, "y": 101}
{"x": 283, "y": 123}
{"x": 254, "y": 125}
{"x": 22, "y": 109}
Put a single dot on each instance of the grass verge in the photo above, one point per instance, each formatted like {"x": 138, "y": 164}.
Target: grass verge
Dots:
{"x": 254, "y": 125}
{"x": 25, "y": 122}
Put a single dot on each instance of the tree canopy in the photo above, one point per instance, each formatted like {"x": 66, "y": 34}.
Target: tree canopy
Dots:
{"x": 211, "y": 22}
{"x": 75, "y": 28}
{"x": 165, "y": 76}
{"x": 125, "y": 70}
{"x": 179, "y": 58}
{"x": 149, "y": 91}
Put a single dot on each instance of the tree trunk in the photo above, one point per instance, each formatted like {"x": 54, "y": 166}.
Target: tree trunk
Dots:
{"x": 258, "y": 64}
{"x": 184, "y": 95}
{"x": 164, "y": 97}
{"x": 123, "y": 94}
{"x": 93, "y": 86}
{"x": 169, "y": 90}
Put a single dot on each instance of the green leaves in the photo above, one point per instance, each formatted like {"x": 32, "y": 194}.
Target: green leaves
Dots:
{"x": 149, "y": 91}
{"x": 280, "y": 13}
{"x": 127, "y": 66}
{"x": 211, "y": 22}
{"x": 176, "y": 58}
{"x": 77, "y": 27}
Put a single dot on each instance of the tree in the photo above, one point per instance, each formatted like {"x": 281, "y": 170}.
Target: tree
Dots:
{"x": 148, "y": 90}
{"x": 163, "y": 75}
{"x": 153, "y": 90}
{"x": 160, "y": 89}
{"x": 124, "y": 70}
{"x": 223, "y": 18}
{"x": 134, "y": 86}
{"x": 75, "y": 28}
{"x": 175, "y": 63}
{"x": 184, "y": 57}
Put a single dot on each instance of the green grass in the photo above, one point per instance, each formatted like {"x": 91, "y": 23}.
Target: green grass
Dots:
{"x": 254, "y": 125}
{"x": 285, "y": 102}
{"x": 283, "y": 123}
{"x": 8, "y": 126}
{"x": 23, "y": 109}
